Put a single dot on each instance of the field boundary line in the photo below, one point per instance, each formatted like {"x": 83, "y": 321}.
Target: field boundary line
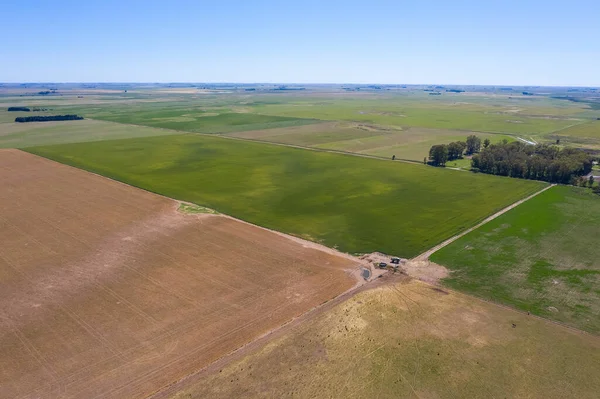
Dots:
{"x": 262, "y": 340}
{"x": 425, "y": 255}
{"x": 228, "y": 136}
{"x": 317, "y": 149}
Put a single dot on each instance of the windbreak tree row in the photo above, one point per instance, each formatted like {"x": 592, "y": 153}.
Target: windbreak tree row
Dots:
{"x": 23, "y": 119}
{"x": 540, "y": 162}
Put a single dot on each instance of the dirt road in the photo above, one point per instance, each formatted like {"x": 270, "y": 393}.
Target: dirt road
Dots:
{"x": 425, "y": 255}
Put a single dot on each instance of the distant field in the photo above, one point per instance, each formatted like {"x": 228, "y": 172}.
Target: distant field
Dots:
{"x": 219, "y": 116}
{"x": 412, "y": 340}
{"x": 383, "y": 141}
{"x": 413, "y": 143}
{"x": 351, "y": 116}
{"x": 355, "y": 204}
{"x": 6, "y": 117}
{"x": 590, "y": 129}
{"x": 109, "y": 292}
{"x": 316, "y": 134}
{"x": 462, "y": 114}
{"x": 542, "y": 257}
{"x": 17, "y": 135}
{"x": 220, "y": 123}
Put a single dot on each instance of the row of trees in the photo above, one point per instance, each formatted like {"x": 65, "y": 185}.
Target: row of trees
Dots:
{"x": 539, "y": 162}
{"x": 18, "y": 109}
{"x": 439, "y": 154}
{"x": 38, "y": 118}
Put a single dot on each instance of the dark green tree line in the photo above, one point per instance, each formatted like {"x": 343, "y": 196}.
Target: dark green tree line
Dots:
{"x": 38, "y": 118}
{"x": 539, "y": 162}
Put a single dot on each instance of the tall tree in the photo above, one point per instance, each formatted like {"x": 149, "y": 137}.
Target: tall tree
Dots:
{"x": 438, "y": 155}
{"x": 456, "y": 149}
{"x": 486, "y": 143}
{"x": 473, "y": 144}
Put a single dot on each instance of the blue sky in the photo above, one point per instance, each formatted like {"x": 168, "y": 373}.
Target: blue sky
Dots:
{"x": 526, "y": 42}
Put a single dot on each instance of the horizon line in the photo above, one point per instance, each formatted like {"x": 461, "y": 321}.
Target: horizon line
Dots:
{"x": 295, "y": 83}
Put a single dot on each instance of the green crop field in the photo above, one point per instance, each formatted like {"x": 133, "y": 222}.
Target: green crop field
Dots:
{"x": 457, "y": 112}
{"x": 355, "y": 204}
{"x": 543, "y": 257}
{"x": 210, "y": 115}
{"x": 20, "y": 135}
{"x": 408, "y": 143}
{"x": 314, "y": 135}
{"x": 403, "y": 123}
{"x": 412, "y": 143}
{"x": 590, "y": 129}
{"x": 207, "y": 122}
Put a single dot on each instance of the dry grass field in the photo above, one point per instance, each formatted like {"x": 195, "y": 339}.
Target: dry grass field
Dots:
{"x": 108, "y": 291}
{"x": 410, "y": 340}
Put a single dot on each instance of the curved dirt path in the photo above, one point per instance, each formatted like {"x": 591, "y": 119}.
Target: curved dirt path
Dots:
{"x": 425, "y": 255}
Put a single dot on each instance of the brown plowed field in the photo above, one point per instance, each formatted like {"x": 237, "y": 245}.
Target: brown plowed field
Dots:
{"x": 108, "y": 291}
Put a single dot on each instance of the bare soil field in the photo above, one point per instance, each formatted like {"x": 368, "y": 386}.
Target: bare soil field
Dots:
{"x": 108, "y": 291}
{"x": 408, "y": 339}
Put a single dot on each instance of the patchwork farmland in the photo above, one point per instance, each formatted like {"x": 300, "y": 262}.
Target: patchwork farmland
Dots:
{"x": 116, "y": 289}
{"x": 354, "y": 204}
{"x": 108, "y": 291}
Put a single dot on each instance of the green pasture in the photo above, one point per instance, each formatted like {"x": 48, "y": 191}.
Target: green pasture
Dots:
{"x": 412, "y": 143}
{"x": 382, "y": 112}
{"x": 314, "y": 135}
{"x": 382, "y": 141}
{"x": 211, "y": 123}
{"x": 542, "y": 257}
{"x": 428, "y": 113}
{"x": 355, "y": 204}
{"x": 590, "y": 129}
{"x": 20, "y": 135}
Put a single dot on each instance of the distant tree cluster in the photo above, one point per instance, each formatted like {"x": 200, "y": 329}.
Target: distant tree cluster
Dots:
{"x": 439, "y": 154}
{"x": 473, "y": 144}
{"x": 38, "y": 118}
{"x": 583, "y": 181}
{"x": 18, "y": 109}
{"x": 539, "y": 162}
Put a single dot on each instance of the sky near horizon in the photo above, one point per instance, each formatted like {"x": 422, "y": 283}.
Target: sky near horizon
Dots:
{"x": 510, "y": 42}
